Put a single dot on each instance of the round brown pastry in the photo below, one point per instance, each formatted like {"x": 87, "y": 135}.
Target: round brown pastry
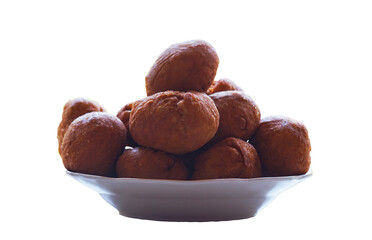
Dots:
{"x": 142, "y": 162}
{"x": 73, "y": 109}
{"x": 174, "y": 122}
{"x": 223, "y": 84}
{"x": 283, "y": 146}
{"x": 93, "y": 143}
{"x": 123, "y": 115}
{"x": 187, "y": 66}
{"x": 239, "y": 115}
{"x": 230, "y": 158}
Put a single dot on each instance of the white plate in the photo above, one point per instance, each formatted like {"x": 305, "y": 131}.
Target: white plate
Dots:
{"x": 201, "y": 200}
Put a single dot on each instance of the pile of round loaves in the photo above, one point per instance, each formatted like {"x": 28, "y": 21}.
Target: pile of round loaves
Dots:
{"x": 188, "y": 127}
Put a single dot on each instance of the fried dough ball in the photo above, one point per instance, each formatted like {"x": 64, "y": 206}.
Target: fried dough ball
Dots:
{"x": 239, "y": 115}
{"x": 174, "y": 122}
{"x": 223, "y": 84}
{"x": 142, "y": 162}
{"x": 230, "y": 158}
{"x": 283, "y": 145}
{"x": 93, "y": 143}
{"x": 73, "y": 109}
{"x": 186, "y": 66}
{"x": 123, "y": 115}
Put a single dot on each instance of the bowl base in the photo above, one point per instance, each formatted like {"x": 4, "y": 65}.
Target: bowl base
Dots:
{"x": 187, "y": 219}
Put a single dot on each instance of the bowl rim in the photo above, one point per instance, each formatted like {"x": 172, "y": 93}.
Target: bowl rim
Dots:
{"x": 290, "y": 177}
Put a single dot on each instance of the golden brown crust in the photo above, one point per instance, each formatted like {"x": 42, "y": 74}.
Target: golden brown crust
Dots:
{"x": 223, "y": 84}
{"x": 142, "y": 162}
{"x": 187, "y": 66}
{"x": 92, "y": 144}
{"x": 283, "y": 145}
{"x": 73, "y": 109}
{"x": 174, "y": 122}
{"x": 239, "y": 115}
{"x": 230, "y": 158}
{"x": 123, "y": 115}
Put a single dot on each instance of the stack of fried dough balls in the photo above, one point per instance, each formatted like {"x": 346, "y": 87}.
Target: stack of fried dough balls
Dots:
{"x": 189, "y": 126}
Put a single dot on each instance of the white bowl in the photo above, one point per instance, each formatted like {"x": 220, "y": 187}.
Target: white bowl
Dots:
{"x": 200, "y": 200}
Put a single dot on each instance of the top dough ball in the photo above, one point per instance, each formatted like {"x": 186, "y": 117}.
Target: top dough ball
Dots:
{"x": 187, "y": 66}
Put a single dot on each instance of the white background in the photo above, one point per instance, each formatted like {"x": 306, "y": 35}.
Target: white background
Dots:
{"x": 309, "y": 60}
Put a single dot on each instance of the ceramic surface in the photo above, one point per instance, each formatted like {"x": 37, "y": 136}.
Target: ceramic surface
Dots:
{"x": 201, "y": 200}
